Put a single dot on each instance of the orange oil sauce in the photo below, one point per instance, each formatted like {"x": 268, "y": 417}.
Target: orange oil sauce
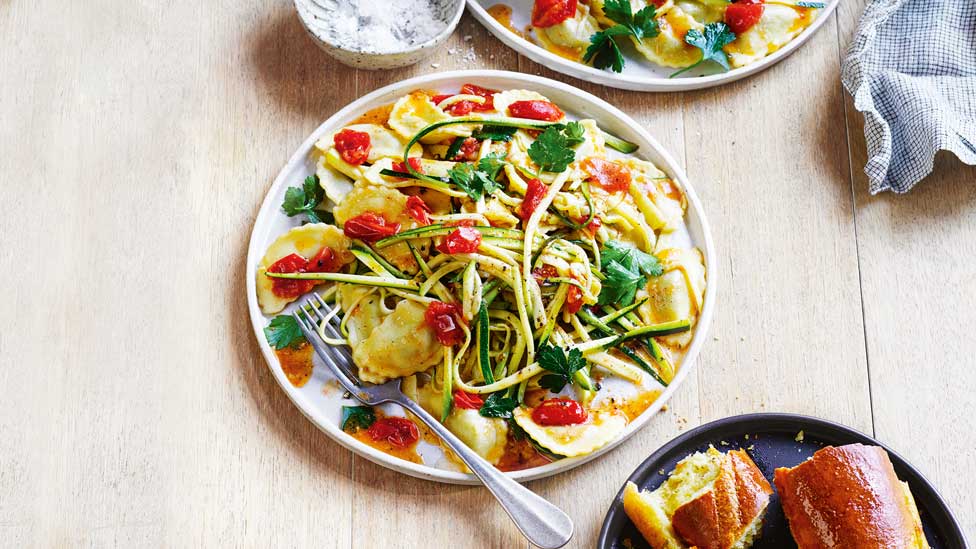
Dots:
{"x": 379, "y": 115}
{"x": 503, "y": 14}
{"x": 296, "y": 363}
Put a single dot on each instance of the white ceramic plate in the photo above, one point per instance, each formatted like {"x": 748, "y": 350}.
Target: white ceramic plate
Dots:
{"x": 323, "y": 407}
{"x": 639, "y": 74}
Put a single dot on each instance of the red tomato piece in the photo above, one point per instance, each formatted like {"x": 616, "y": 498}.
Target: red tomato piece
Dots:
{"x": 544, "y": 272}
{"x": 419, "y": 210}
{"x": 743, "y": 15}
{"x": 533, "y": 197}
{"x": 536, "y": 109}
{"x": 444, "y": 319}
{"x": 353, "y": 146}
{"x": 559, "y": 411}
{"x": 398, "y": 431}
{"x": 546, "y": 13}
{"x": 414, "y": 162}
{"x": 467, "y": 401}
{"x": 489, "y": 95}
{"x": 460, "y": 223}
{"x": 438, "y": 98}
{"x": 463, "y": 240}
{"x": 469, "y": 150}
{"x": 461, "y": 108}
{"x": 290, "y": 289}
{"x": 593, "y": 226}
{"x": 574, "y": 300}
{"x": 369, "y": 227}
{"x": 612, "y": 177}
{"x": 323, "y": 262}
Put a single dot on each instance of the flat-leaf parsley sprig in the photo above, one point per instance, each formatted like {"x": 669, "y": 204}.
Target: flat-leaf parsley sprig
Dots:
{"x": 715, "y": 37}
{"x": 604, "y": 52}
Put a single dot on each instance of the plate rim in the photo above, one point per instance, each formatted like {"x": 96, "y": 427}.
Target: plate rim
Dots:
{"x": 774, "y": 419}
{"x": 348, "y": 112}
{"x": 559, "y": 64}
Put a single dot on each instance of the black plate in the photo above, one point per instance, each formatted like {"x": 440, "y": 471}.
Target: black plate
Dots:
{"x": 772, "y": 443}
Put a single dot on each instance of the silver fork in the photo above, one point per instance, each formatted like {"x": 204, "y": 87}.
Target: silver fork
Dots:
{"x": 541, "y": 522}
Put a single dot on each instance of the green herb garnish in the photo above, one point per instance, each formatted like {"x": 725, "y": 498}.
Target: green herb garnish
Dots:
{"x": 283, "y": 331}
{"x": 498, "y": 405}
{"x": 710, "y": 42}
{"x": 355, "y": 418}
{"x": 474, "y": 181}
{"x": 304, "y": 199}
{"x": 562, "y": 365}
{"x": 551, "y": 151}
{"x": 604, "y": 51}
{"x": 626, "y": 269}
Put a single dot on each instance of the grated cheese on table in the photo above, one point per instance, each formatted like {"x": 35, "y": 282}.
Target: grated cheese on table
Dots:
{"x": 381, "y": 27}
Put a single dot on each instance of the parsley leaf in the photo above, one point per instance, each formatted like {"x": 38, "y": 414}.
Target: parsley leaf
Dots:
{"x": 575, "y": 134}
{"x": 604, "y": 51}
{"x": 355, "y": 418}
{"x": 495, "y": 133}
{"x": 551, "y": 152}
{"x": 473, "y": 181}
{"x": 561, "y": 364}
{"x": 710, "y": 42}
{"x": 498, "y": 405}
{"x": 283, "y": 331}
{"x": 491, "y": 164}
{"x": 816, "y": 5}
{"x": 304, "y": 199}
{"x": 626, "y": 269}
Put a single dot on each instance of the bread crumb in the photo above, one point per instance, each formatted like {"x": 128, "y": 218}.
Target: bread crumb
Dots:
{"x": 799, "y": 437}
{"x": 747, "y": 437}
{"x": 660, "y": 472}
{"x": 724, "y": 443}
{"x": 751, "y": 447}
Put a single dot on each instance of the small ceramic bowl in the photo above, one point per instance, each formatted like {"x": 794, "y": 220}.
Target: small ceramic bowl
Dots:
{"x": 316, "y": 16}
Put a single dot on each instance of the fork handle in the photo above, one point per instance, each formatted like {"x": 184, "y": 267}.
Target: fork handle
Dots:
{"x": 544, "y": 524}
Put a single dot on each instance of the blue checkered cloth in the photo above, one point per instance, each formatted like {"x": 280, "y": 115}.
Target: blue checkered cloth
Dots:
{"x": 912, "y": 71}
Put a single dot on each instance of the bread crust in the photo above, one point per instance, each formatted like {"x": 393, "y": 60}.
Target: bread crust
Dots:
{"x": 849, "y": 497}
{"x": 718, "y": 518}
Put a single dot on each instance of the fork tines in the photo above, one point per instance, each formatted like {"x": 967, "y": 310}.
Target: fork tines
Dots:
{"x": 310, "y": 317}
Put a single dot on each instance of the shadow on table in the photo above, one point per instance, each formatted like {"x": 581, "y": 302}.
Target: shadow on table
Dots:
{"x": 293, "y": 70}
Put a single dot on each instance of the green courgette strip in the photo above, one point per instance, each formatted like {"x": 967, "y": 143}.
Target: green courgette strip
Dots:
{"x": 604, "y": 330}
{"x": 439, "y": 229}
{"x": 361, "y": 280}
{"x": 486, "y": 370}
{"x": 611, "y": 140}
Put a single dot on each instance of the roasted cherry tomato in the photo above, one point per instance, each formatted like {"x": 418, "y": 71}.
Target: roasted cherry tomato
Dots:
{"x": 536, "y": 109}
{"x": 533, "y": 197}
{"x": 463, "y": 240}
{"x": 467, "y": 401}
{"x": 469, "y": 151}
{"x": 743, "y": 15}
{"x": 559, "y": 411}
{"x": 544, "y": 272}
{"x": 398, "y": 431}
{"x": 369, "y": 227}
{"x": 438, "y": 98}
{"x": 415, "y": 163}
{"x": 444, "y": 319}
{"x": 323, "y": 262}
{"x": 574, "y": 300}
{"x": 547, "y": 13}
{"x": 418, "y": 209}
{"x": 290, "y": 289}
{"x": 593, "y": 226}
{"x": 353, "y": 146}
{"x": 612, "y": 177}
{"x": 489, "y": 95}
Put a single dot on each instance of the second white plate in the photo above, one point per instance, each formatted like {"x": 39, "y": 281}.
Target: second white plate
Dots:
{"x": 638, "y": 74}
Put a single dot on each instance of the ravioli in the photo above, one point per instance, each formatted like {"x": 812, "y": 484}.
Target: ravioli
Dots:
{"x": 305, "y": 241}
{"x": 777, "y": 27}
{"x": 601, "y": 428}
{"x": 669, "y": 48}
{"x": 400, "y": 346}
{"x": 383, "y": 142}
{"x": 415, "y": 112}
{"x": 389, "y": 203}
{"x": 486, "y": 436}
{"x": 677, "y": 294}
{"x": 571, "y": 37}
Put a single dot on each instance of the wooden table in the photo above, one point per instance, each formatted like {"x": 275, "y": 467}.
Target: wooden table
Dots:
{"x": 137, "y": 140}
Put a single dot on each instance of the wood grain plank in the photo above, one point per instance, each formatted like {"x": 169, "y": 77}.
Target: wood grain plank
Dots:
{"x": 158, "y": 423}
{"x": 918, "y": 279}
{"x": 770, "y": 155}
{"x": 469, "y": 515}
